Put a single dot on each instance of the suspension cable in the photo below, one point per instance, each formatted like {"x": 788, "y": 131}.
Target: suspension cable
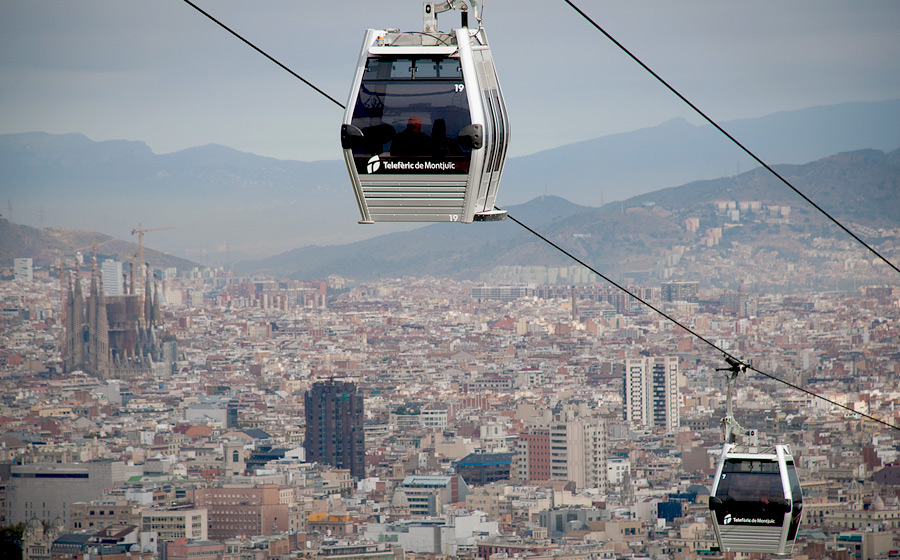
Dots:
{"x": 691, "y": 331}
{"x": 579, "y": 261}
{"x": 730, "y": 137}
{"x": 264, "y": 53}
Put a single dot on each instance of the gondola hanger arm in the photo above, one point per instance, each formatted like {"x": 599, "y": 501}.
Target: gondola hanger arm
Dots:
{"x": 432, "y": 9}
{"x": 730, "y": 425}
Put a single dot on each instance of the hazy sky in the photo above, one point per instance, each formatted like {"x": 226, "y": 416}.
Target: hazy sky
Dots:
{"x": 160, "y": 72}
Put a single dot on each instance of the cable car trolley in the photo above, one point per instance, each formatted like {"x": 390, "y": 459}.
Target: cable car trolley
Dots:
{"x": 425, "y": 131}
{"x": 756, "y": 499}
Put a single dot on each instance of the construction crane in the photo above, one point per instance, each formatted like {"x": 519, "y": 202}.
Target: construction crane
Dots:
{"x": 140, "y": 231}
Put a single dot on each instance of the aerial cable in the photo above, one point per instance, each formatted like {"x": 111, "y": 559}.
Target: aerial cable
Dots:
{"x": 633, "y": 57}
{"x": 264, "y": 53}
{"x": 691, "y": 331}
{"x": 576, "y": 259}
{"x": 730, "y": 137}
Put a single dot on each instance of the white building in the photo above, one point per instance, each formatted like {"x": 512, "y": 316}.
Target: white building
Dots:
{"x": 616, "y": 469}
{"x": 650, "y": 392}
{"x": 23, "y": 269}
{"x": 578, "y": 448}
{"x": 112, "y": 278}
{"x": 448, "y": 536}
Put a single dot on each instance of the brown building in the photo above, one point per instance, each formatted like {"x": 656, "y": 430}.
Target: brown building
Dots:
{"x": 334, "y": 426}
{"x": 532, "y": 458}
{"x": 188, "y": 549}
{"x": 245, "y": 511}
{"x": 87, "y": 516}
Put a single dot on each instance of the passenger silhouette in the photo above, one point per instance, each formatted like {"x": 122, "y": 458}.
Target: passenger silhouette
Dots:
{"x": 441, "y": 145}
{"x": 411, "y": 141}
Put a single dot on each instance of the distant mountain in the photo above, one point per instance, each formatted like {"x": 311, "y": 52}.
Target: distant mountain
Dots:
{"x": 861, "y": 189}
{"x": 214, "y": 196}
{"x": 227, "y": 205}
{"x": 620, "y": 166}
{"x": 51, "y": 246}
{"x": 441, "y": 249}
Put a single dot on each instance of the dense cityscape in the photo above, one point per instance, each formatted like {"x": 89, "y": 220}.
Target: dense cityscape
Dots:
{"x": 655, "y": 342}
{"x": 199, "y": 413}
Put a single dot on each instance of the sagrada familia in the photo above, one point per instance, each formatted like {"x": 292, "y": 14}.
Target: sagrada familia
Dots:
{"x": 111, "y": 337}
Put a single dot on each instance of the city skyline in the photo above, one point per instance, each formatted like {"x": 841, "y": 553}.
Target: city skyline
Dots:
{"x": 201, "y": 85}
{"x": 323, "y": 389}
{"x": 447, "y": 374}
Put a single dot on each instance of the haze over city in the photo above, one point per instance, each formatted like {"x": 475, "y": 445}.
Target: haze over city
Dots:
{"x": 164, "y": 74}
{"x": 203, "y": 354}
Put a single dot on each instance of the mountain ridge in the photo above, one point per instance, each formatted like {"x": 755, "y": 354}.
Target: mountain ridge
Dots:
{"x": 630, "y": 234}
{"x": 228, "y": 205}
{"x": 753, "y": 213}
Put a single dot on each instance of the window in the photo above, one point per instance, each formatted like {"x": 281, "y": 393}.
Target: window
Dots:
{"x": 412, "y": 108}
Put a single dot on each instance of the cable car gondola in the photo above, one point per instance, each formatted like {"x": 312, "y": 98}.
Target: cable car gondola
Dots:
{"x": 425, "y": 131}
{"x": 756, "y": 499}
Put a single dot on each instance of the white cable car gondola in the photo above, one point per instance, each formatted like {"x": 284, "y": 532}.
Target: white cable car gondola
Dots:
{"x": 425, "y": 131}
{"x": 756, "y": 499}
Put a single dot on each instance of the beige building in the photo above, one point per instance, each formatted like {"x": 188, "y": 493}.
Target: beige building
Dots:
{"x": 176, "y": 523}
{"x": 86, "y": 516}
{"x": 578, "y": 449}
{"x": 241, "y": 510}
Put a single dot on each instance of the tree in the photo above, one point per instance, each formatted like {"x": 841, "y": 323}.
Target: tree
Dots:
{"x": 11, "y": 541}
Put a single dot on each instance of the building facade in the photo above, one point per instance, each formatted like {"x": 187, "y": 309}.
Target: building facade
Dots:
{"x": 110, "y": 336}
{"x": 578, "y": 448}
{"x": 241, "y": 510}
{"x": 334, "y": 426}
{"x": 23, "y": 269}
{"x": 679, "y": 291}
{"x": 650, "y": 392}
{"x": 427, "y": 494}
{"x": 46, "y": 491}
{"x": 532, "y": 457}
{"x": 176, "y": 523}
{"x": 113, "y": 278}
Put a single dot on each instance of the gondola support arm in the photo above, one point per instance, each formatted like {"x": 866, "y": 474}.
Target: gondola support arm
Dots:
{"x": 730, "y": 425}
{"x": 432, "y": 9}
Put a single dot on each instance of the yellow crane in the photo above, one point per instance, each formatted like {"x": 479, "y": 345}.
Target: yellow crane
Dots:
{"x": 140, "y": 231}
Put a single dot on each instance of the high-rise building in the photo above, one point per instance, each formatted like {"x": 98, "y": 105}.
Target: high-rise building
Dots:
{"x": 679, "y": 291}
{"x": 578, "y": 447}
{"x": 23, "y": 269}
{"x": 650, "y": 392}
{"x": 334, "y": 426}
{"x": 532, "y": 458}
{"x": 113, "y": 281}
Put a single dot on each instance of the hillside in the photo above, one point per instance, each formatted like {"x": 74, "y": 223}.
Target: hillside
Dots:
{"x": 227, "y": 205}
{"x": 861, "y": 189}
{"x": 51, "y": 246}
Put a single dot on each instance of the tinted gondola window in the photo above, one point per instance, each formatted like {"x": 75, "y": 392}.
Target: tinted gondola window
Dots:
{"x": 409, "y": 111}
{"x": 797, "y": 497}
{"x": 796, "y": 492}
{"x": 750, "y": 481}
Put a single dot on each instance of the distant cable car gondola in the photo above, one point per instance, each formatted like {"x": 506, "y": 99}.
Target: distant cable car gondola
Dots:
{"x": 755, "y": 500}
{"x": 425, "y": 131}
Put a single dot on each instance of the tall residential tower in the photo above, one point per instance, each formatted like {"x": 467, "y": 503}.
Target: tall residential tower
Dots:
{"x": 334, "y": 426}
{"x": 650, "y": 392}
